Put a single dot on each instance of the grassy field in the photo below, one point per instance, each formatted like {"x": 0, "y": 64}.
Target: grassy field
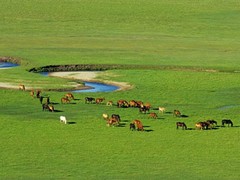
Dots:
{"x": 182, "y": 36}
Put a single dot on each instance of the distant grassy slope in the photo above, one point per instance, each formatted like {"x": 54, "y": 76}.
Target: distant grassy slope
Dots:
{"x": 201, "y": 33}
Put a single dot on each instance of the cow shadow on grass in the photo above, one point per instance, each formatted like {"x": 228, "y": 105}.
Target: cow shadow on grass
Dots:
{"x": 53, "y": 103}
{"x": 184, "y": 116}
{"x": 147, "y": 130}
{"x": 229, "y": 126}
{"x": 57, "y": 110}
{"x": 71, "y": 122}
{"x": 191, "y": 129}
{"x": 122, "y": 124}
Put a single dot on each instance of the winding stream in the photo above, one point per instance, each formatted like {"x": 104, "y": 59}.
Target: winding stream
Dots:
{"x": 94, "y": 86}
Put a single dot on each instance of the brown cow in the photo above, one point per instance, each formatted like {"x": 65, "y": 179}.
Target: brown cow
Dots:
{"x": 138, "y": 124}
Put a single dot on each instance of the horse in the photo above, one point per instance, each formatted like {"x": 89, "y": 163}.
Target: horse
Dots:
{"x": 116, "y": 116}
{"x": 69, "y": 96}
{"x": 202, "y": 125}
{"x": 65, "y": 100}
{"x": 99, "y": 100}
{"x": 46, "y": 106}
{"x": 132, "y": 103}
{"x": 153, "y": 115}
{"x": 63, "y": 119}
{"x": 181, "y": 124}
{"x": 227, "y": 121}
{"x": 148, "y": 105}
{"x": 51, "y": 108}
{"x": 212, "y": 122}
{"x": 176, "y": 113}
{"x": 122, "y": 103}
{"x": 139, "y": 104}
{"x": 89, "y": 100}
{"x": 112, "y": 122}
{"x": 161, "y": 109}
{"x": 143, "y": 109}
{"x": 21, "y": 87}
{"x": 138, "y": 124}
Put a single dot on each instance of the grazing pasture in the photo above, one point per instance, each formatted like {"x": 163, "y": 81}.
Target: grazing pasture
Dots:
{"x": 189, "y": 58}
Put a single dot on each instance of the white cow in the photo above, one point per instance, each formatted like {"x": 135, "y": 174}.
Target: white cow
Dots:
{"x": 63, "y": 119}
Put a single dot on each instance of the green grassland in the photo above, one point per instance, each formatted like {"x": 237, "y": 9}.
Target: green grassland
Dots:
{"x": 196, "y": 41}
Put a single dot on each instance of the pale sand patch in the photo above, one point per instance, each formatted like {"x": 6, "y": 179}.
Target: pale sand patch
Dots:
{"x": 8, "y": 85}
{"x": 90, "y": 76}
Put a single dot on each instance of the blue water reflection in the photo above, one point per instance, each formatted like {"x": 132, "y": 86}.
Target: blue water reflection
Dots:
{"x": 94, "y": 86}
{"x": 7, "y": 65}
{"x": 98, "y": 87}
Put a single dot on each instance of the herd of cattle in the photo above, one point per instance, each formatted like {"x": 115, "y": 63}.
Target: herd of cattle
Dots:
{"x": 114, "y": 119}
